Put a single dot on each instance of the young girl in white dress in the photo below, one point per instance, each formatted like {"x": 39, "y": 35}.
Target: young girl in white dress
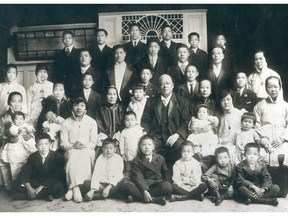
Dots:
{"x": 40, "y": 89}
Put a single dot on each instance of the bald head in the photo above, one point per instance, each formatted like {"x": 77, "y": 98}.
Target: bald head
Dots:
{"x": 166, "y": 85}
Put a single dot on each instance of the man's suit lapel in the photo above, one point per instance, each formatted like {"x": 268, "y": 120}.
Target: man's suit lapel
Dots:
{"x": 172, "y": 105}
{"x": 148, "y": 164}
{"x": 127, "y": 75}
{"x": 91, "y": 96}
{"x": 158, "y": 108}
{"x": 248, "y": 168}
{"x": 221, "y": 75}
{"x": 185, "y": 89}
{"x": 111, "y": 77}
{"x": 196, "y": 88}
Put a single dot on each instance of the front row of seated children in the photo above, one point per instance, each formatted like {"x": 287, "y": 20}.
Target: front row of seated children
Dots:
{"x": 42, "y": 176}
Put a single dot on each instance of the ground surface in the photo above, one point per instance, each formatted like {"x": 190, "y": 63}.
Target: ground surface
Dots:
{"x": 58, "y": 205}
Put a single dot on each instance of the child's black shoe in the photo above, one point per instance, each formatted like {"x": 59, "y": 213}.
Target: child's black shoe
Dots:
{"x": 159, "y": 200}
{"x": 130, "y": 199}
{"x": 200, "y": 197}
{"x": 248, "y": 201}
{"x": 267, "y": 201}
{"x": 49, "y": 198}
{"x": 218, "y": 198}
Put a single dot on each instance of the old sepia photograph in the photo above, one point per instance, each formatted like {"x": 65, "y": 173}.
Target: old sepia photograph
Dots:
{"x": 125, "y": 107}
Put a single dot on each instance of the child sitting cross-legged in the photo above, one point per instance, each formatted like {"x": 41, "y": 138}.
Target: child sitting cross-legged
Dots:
{"x": 253, "y": 181}
{"x": 107, "y": 175}
{"x": 187, "y": 176}
{"x": 220, "y": 176}
{"x": 149, "y": 176}
{"x": 43, "y": 175}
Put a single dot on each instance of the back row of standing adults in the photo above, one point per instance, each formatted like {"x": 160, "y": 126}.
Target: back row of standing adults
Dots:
{"x": 122, "y": 68}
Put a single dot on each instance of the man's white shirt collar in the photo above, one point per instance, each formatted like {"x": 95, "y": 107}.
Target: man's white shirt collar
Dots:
{"x": 101, "y": 46}
{"x": 166, "y": 100}
{"x": 84, "y": 69}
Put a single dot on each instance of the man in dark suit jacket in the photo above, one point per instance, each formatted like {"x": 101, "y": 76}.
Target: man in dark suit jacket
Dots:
{"x": 135, "y": 48}
{"x": 129, "y": 75}
{"x": 253, "y": 181}
{"x": 66, "y": 62}
{"x": 185, "y": 92}
{"x": 166, "y": 118}
{"x": 177, "y": 72}
{"x": 151, "y": 90}
{"x": 86, "y": 67}
{"x": 243, "y": 98}
{"x": 93, "y": 99}
{"x": 218, "y": 75}
{"x": 153, "y": 61}
{"x": 168, "y": 47}
{"x": 102, "y": 54}
{"x": 198, "y": 57}
{"x": 43, "y": 176}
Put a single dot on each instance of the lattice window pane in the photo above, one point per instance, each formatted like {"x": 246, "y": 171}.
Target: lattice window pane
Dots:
{"x": 150, "y": 26}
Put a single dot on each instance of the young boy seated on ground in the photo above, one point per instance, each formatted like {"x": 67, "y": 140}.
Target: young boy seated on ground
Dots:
{"x": 107, "y": 174}
{"x": 43, "y": 175}
{"x": 150, "y": 175}
{"x": 253, "y": 181}
{"x": 187, "y": 176}
{"x": 220, "y": 176}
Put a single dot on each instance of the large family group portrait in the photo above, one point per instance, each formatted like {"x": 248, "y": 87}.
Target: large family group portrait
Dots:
{"x": 156, "y": 119}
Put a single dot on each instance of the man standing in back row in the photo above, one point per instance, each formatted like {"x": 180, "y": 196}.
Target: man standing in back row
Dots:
{"x": 66, "y": 62}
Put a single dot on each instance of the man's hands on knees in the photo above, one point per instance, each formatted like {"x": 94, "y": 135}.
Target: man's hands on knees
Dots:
{"x": 172, "y": 139}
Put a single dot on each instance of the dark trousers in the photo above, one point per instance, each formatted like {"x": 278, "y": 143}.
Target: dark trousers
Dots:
{"x": 245, "y": 192}
{"x": 163, "y": 188}
{"x": 127, "y": 169}
{"x": 171, "y": 154}
{"x": 56, "y": 189}
{"x": 280, "y": 176}
{"x": 115, "y": 192}
{"x": 192, "y": 194}
{"x": 222, "y": 184}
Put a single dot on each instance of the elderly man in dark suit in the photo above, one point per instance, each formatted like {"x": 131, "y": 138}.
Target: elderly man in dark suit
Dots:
{"x": 166, "y": 119}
